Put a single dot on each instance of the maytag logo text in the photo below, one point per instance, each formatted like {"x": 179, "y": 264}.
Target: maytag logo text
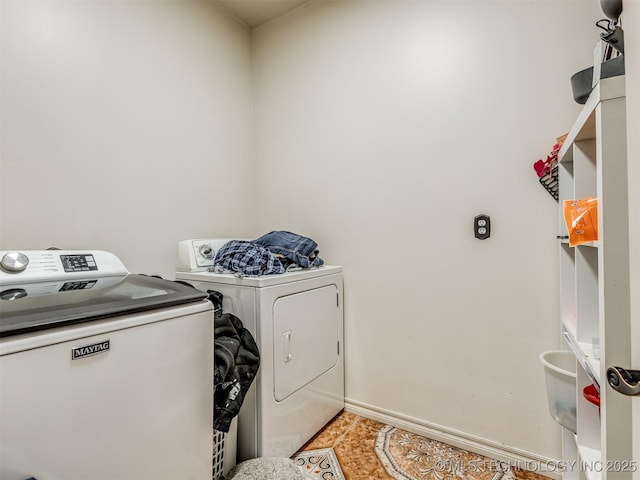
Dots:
{"x": 88, "y": 350}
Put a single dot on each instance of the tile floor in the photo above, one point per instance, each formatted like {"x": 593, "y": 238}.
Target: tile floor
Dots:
{"x": 369, "y": 450}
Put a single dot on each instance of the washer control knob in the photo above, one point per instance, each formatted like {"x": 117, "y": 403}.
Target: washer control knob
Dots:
{"x": 13, "y": 294}
{"x": 14, "y": 262}
{"x": 206, "y": 251}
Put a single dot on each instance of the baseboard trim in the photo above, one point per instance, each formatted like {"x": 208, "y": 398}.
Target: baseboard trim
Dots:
{"x": 482, "y": 446}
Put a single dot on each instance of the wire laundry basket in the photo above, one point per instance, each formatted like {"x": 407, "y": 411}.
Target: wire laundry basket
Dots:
{"x": 224, "y": 451}
{"x": 550, "y": 182}
{"x": 218, "y": 454}
{"x": 547, "y": 169}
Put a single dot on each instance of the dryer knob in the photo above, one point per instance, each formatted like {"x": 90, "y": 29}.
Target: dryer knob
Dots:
{"x": 14, "y": 262}
{"x": 206, "y": 251}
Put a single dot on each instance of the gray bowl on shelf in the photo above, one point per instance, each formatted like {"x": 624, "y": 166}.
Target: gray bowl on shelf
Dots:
{"x": 581, "y": 81}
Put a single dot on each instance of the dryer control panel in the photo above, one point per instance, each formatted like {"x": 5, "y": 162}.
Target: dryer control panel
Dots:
{"x": 197, "y": 255}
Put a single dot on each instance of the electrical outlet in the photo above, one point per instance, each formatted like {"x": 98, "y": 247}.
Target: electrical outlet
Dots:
{"x": 482, "y": 226}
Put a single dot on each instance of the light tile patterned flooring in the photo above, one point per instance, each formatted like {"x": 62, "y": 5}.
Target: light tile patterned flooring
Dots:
{"x": 353, "y": 439}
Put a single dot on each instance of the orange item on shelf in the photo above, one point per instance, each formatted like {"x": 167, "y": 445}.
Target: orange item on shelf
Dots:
{"x": 581, "y": 217}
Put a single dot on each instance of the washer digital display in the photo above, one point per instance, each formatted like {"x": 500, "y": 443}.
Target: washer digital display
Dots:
{"x": 78, "y": 263}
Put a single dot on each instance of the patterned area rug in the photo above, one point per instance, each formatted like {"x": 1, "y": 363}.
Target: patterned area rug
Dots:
{"x": 407, "y": 456}
{"x": 319, "y": 464}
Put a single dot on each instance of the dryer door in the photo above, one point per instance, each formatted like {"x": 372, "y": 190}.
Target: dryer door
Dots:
{"x": 305, "y": 333}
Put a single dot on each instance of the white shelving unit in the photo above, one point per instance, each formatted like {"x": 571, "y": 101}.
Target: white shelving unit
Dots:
{"x": 594, "y": 282}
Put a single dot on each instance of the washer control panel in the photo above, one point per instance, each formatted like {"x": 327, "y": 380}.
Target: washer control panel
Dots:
{"x": 42, "y": 265}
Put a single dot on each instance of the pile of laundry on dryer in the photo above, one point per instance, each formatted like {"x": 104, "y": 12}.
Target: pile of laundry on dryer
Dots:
{"x": 274, "y": 253}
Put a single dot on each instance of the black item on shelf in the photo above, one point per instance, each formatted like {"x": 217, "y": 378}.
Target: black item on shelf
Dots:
{"x": 613, "y": 35}
{"x": 550, "y": 182}
{"x": 581, "y": 81}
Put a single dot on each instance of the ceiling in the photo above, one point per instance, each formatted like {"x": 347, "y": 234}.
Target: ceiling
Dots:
{"x": 256, "y": 12}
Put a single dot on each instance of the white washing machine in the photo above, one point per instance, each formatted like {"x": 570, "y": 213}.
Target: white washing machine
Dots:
{"x": 296, "y": 319}
{"x": 105, "y": 374}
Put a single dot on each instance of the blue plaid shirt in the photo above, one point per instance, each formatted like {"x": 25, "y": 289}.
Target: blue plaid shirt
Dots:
{"x": 247, "y": 258}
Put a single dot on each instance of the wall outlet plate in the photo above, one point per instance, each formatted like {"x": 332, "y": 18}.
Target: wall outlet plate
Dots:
{"x": 482, "y": 226}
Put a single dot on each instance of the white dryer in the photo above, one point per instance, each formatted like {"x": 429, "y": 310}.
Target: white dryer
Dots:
{"x": 296, "y": 319}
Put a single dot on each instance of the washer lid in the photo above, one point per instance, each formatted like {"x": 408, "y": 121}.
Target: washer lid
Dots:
{"x": 27, "y": 307}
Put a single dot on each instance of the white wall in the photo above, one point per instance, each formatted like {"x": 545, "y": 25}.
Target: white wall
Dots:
{"x": 382, "y": 128}
{"x": 126, "y": 126}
